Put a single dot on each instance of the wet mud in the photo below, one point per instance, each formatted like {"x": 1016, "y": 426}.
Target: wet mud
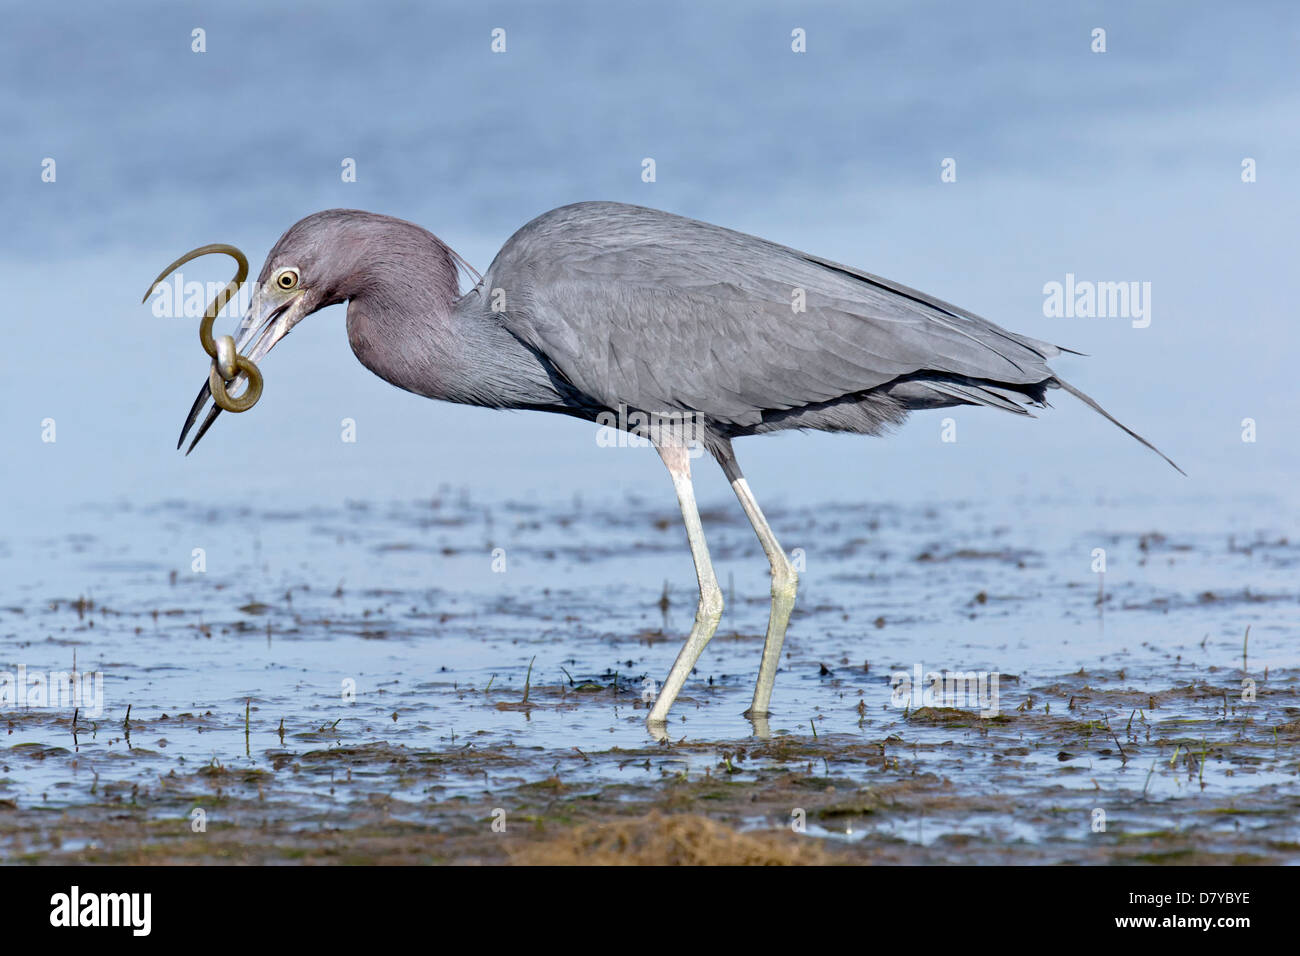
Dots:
{"x": 451, "y": 681}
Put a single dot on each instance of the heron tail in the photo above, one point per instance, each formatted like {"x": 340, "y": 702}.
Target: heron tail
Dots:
{"x": 1091, "y": 403}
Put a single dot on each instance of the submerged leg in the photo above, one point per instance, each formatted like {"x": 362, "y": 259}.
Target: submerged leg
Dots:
{"x": 709, "y": 610}
{"x": 785, "y": 582}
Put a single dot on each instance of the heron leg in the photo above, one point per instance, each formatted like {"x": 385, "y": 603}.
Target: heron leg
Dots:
{"x": 785, "y": 583}
{"x": 709, "y": 610}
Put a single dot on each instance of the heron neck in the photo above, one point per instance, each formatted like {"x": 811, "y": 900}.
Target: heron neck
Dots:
{"x": 430, "y": 341}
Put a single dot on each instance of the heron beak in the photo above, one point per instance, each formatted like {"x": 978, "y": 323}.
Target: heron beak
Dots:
{"x": 268, "y": 319}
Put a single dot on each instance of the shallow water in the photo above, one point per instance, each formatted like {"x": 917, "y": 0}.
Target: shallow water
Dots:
{"x": 439, "y": 647}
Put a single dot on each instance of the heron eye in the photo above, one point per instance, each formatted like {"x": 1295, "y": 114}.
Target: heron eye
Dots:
{"x": 287, "y": 279}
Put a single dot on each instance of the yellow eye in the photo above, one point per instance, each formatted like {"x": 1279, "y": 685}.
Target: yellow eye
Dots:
{"x": 287, "y": 279}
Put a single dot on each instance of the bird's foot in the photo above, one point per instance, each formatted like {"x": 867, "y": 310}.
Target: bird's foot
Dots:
{"x": 657, "y": 728}
{"x": 759, "y": 722}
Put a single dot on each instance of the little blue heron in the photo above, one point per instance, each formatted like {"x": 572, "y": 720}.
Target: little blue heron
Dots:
{"x": 677, "y": 329}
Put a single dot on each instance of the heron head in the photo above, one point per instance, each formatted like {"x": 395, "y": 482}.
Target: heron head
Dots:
{"x": 313, "y": 265}
{"x": 330, "y": 257}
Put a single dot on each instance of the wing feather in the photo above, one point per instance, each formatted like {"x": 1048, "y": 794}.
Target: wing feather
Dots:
{"x": 656, "y": 312}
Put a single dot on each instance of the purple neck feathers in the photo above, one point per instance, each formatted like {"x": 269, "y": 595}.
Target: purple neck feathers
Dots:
{"x": 408, "y": 324}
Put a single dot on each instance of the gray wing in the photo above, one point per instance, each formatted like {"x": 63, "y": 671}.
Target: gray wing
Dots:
{"x": 657, "y": 312}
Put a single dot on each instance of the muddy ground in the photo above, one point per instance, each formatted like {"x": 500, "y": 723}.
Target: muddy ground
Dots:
{"x": 468, "y": 686}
